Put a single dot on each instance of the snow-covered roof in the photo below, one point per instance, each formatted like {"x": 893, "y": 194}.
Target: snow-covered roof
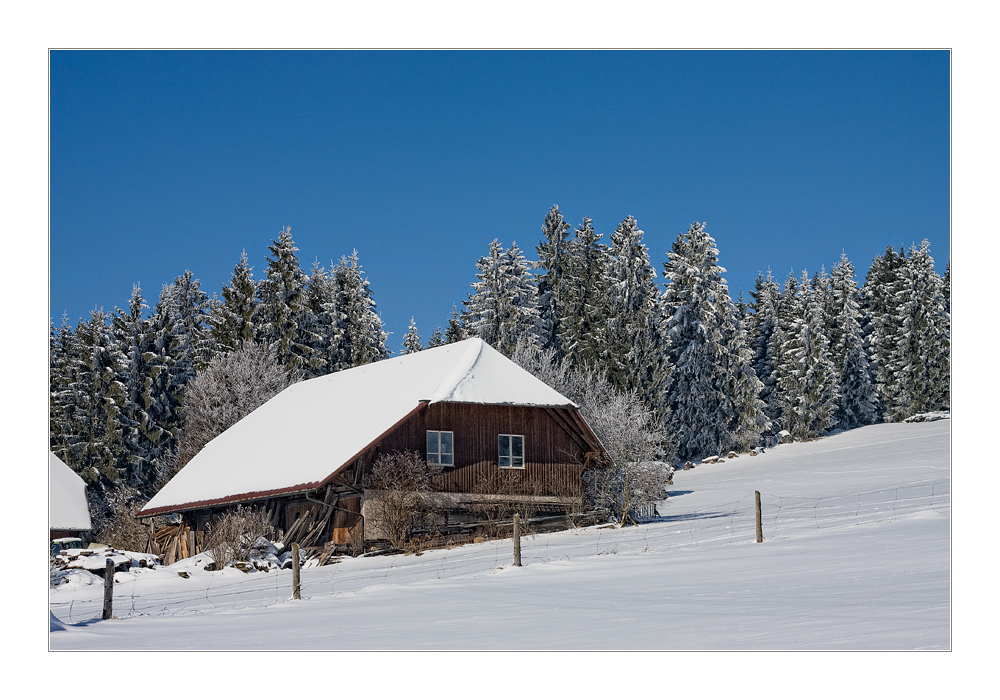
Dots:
{"x": 302, "y": 436}
{"x": 67, "y": 498}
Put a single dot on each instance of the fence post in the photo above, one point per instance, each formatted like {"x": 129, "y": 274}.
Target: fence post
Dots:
{"x": 109, "y": 587}
{"x": 517, "y": 539}
{"x": 296, "y": 588}
{"x": 760, "y": 527}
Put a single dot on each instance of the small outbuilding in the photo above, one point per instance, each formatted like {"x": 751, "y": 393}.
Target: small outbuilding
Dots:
{"x": 304, "y": 454}
{"x": 69, "y": 514}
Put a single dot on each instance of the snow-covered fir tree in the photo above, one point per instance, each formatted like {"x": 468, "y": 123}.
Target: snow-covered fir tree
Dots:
{"x": 858, "y": 399}
{"x": 503, "y": 307}
{"x": 585, "y": 296}
{"x": 921, "y": 358}
{"x": 146, "y": 448}
{"x": 97, "y": 450}
{"x": 283, "y": 302}
{"x": 946, "y": 291}
{"x": 762, "y": 323}
{"x": 64, "y": 362}
{"x": 234, "y": 321}
{"x": 317, "y": 322}
{"x": 358, "y": 335}
{"x": 879, "y": 305}
{"x": 192, "y": 309}
{"x": 411, "y": 341}
{"x": 808, "y": 378}
{"x": 712, "y": 389}
{"x": 822, "y": 293}
{"x": 632, "y": 294}
{"x": 436, "y": 339}
{"x": 749, "y": 420}
{"x": 455, "y": 330}
{"x": 782, "y": 402}
{"x": 180, "y": 345}
{"x": 552, "y": 259}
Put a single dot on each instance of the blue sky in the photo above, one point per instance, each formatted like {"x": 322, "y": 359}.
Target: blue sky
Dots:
{"x": 166, "y": 161}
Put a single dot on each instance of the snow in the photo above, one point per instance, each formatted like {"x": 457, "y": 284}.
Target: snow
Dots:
{"x": 67, "y": 498}
{"x": 856, "y": 555}
{"x": 313, "y": 428}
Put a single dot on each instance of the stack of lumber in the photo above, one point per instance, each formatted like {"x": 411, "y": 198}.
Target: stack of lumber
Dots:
{"x": 306, "y": 530}
{"x": 174, "y": 542}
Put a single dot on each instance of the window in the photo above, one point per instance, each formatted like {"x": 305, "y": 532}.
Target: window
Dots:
{"x": 441, "y": 447}
{"x": 512, "y": 451}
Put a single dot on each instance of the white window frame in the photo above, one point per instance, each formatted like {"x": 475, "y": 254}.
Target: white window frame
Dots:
{"x": 512, "y": 458}
{"x": 435, "y": 457}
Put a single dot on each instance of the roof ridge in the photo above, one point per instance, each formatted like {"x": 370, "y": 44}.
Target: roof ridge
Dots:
{"x": 459, "y": 373}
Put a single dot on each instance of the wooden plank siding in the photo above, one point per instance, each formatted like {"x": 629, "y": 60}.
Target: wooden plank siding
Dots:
{"x": 553, "y": 457}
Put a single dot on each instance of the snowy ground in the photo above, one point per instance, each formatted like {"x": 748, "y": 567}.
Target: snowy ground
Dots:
{"x": 856, "y": 556}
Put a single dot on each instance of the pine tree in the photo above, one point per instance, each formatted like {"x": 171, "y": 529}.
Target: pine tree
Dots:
{"x": 64, "y": 361}
{"x": 946, "y": 291}
{"x": 174, "y": 351}
{"x": 762, "y": 324}
{"x": 585, "y": 301}
{"x": 783, "y": 399}
{"x": 411, "y": 341}
{"x": 879, "y": 303}
{"x": 455, "y": 331}
{"x": 712, "y": 389}
{"x": 633, "y": 294}
{"x": 144, "y": 440}
{"x": 283, "y": 301}
{"x": 920, "y": 360}
{"x": 503, "y": 308}
{"x": 192, "y": 309}
{"x": 437, "y": 339}
{"x": 808, "y": 377}
{"x": 97, "y": 452}
{"x": 552, "y": 259}
{"x": 522, "y": 319}
{"x": 858, "y": 399}
{"x": 749, "y": 420}
{"x": 359, "y": 338}
{"x": 234, "y": 322}
{"x": 318, "y": 322}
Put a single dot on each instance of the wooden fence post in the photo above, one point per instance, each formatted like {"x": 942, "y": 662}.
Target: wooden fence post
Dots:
{"x": 109, "y": 587}
{"x": 296, "y": 588}
{"x": 517, "y": 539}
{"x": 760, "y": 527}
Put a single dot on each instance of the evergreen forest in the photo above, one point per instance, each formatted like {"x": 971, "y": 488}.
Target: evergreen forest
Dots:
{"x": 808, "y": 355}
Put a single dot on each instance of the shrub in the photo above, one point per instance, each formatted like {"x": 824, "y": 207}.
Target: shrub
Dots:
{"x": 399, "y": 481}
{"x": 119, "y": 527}
{"x": 232, "y": 536}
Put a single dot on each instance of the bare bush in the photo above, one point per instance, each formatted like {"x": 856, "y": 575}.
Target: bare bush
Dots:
{"x": 232, "y": 386}
{"x": 233, "y": 536}
{"x": 629, "y": 431}
{"x": 119, "y": 527}
{"x": 628, "y": 476}
{"x": 399, "y": 482}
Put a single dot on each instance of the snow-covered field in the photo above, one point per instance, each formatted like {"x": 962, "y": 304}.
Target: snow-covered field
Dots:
{"x": 856, "y": 555}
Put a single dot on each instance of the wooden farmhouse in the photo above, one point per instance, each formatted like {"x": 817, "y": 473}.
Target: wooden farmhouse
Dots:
{"x": 304, "y": 454}
{"x": 69, "y": 514}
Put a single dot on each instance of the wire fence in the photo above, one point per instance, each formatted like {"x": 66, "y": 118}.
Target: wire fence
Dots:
{"x": 784, "y": 516}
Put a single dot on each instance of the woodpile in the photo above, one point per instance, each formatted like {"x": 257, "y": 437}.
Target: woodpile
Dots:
{"x": 172, "y": 543}
{"x": 306, "y": 530}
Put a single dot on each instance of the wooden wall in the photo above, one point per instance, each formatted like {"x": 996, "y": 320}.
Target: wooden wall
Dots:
{"x": 553, "y": 458}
